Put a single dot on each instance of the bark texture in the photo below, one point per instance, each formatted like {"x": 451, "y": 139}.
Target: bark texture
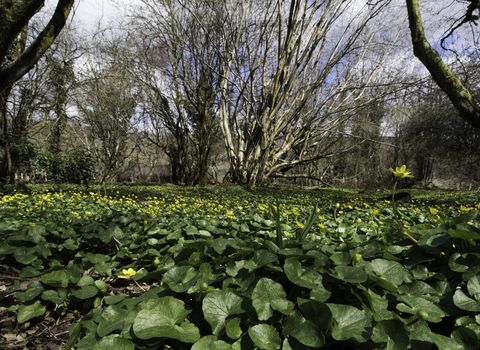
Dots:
{"x": 14, "y": 15}
{"x": 441, "y": 73}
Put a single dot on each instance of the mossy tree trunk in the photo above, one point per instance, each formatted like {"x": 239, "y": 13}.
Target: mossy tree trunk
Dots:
{"x": 440, "y": 72}
{"x": 14, "y": 16}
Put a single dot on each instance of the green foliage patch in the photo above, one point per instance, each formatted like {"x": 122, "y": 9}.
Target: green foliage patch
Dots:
{"x": 248, "y": 268}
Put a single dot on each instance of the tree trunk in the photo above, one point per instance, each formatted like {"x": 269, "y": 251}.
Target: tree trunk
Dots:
{"x": 441, "y": 73}
{"x": 12, "y": 21}
{"x": 6, "y": 169}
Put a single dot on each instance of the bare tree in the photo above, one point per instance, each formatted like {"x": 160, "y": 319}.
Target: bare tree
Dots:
{"x": 178, "y": 66}
{"x": 107, "y": 99}
{"x": 289, "y": 75}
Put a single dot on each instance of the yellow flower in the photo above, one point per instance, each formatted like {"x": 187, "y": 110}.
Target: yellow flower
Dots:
{"x": 402, "y": 172}
{"x": 299, "y": 224}
{"x": 32, "y": 224}
{"x": 433, "y": 211}
{"x": 129, "y": 274}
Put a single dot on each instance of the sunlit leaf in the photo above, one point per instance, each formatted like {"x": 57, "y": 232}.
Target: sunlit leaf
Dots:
{"x": 269, "y": 295}
{"x": 218, "y": 305}
{"x": 165, "y": 317}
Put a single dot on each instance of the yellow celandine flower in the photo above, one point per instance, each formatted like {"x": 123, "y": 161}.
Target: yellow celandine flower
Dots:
{"x": 433, "y": 211}
{"x": 129, "y": 274}
{"x": 402, "y": 172}
{"x": 299, "y": 224}
{"x": 32, "y": 224}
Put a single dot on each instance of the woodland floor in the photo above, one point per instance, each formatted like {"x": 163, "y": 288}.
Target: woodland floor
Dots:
{"x": 44, "y": 332}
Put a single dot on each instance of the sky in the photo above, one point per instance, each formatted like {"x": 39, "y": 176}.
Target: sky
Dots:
{"x": 89, "y": 13}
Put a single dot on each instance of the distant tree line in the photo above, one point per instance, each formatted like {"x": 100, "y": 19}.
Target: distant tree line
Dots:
{"x": 198, "y": 92}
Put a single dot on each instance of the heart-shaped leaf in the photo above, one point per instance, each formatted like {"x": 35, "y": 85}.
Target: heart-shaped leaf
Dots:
{"x": 269, "y": 295}
{"x": 350, "y": 323}
{"x": 165, "y": 317}
{"x": 265, "y": 336}
{"x": 218, "y": 305}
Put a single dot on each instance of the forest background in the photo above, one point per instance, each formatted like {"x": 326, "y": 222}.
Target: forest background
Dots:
{"x": 323, "y": 93}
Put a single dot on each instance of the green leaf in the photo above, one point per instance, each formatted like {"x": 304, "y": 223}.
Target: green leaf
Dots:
{"x": 180, "y": 278}
{"x": 29, "y": 271}
{"x": 466, "y": 235}
{"x": 465, "y": 303}
{"x": 388, "y": 274}
{"x": 191, "y": 230}
{"x": 473, "y": 287}
{"x": 29, "y": 294}
{"x": 24, "y": 255}
{"x": 114, "y": 342}
{"x": 305, "y": 331}
{"x": 86, "y": 292}
{"x": 393, "y": 333}
{"x": 304, "y": 277}
{"x": 350, "y": 322}
{"x": 260, "y": 258}
{"x": 114, "y": 299}
{"x": 85, "y": 281}
{"x": 310, "y": 221}
{"x": 466, "y": 337}
{"x": 210, "y": 342}
{"x": 112, "y": 319}
{"x": 434, "y": 241}
{"x": 456, "y": 266}
{"x": 74, "y": 333}
{"x": 377, "y": 303}
{"x": 316, "y": 312}
{"x": 349, "y": 274}
{"x": 52, "y": 295}
{"x": 101, "y": 285}
{"x": 233, "y": 329}
{"x": 56, "y": 278}
{"x": 70, "y": 244}
{"x": 27, "y": 312}
{"x": 445, "y": 343}
{"x": 218, "y": 305}
{"x": 464, "y": 218}
{"x": 37, "y": 233}
{"x": 265, "y": 336}
{"x": 276, "y": 216}
{"x": 269, "y": 295}
{"x": 417, "y": 304}
{"x": 74, "y": 273}
{"x": 341, "y": 258}
{"x": 165, "y": 317}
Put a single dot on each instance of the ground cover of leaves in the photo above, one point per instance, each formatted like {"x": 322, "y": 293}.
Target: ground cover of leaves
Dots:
{"x": 89, "y": 223}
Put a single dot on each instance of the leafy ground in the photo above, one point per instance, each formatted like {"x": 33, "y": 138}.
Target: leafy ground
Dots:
{"x": 210, "y": 260}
